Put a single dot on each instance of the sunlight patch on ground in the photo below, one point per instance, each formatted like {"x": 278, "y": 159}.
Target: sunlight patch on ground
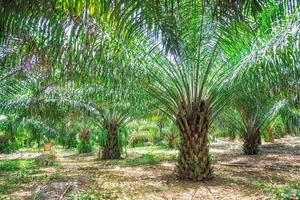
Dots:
{"x": 148, "y": 173}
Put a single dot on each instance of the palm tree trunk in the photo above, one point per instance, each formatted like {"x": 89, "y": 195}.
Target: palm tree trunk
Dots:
{"x": 111, "y": 148}
{"x": 270, "y": 134}
{"x": 252, "y": 140}
{"x": 193, "y": 160}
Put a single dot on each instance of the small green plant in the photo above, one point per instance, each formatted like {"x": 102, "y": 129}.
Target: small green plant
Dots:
{"x": 70, "y": 141}
{"x": 8, "y": 187}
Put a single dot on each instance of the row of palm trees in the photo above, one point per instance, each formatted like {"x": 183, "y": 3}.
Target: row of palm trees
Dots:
{"x": 115, "y": 61}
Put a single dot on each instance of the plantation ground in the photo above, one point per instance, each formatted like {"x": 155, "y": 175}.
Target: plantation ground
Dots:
{"x": 148, "y": 173}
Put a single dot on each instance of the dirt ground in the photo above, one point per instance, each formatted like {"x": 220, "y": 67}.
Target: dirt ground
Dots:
{"x": 235, "y": 176}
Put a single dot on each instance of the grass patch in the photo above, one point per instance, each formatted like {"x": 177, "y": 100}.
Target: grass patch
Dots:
{"x": 97, "y": 195}
{"x": 29, "y": 150}
{"x": 57, "y": 177}
{"x": 291, "y": 191}
{"x": 149, "y": 155}
{"x": 16, "y": 164}
{"x": 15, "y": 179}
{"x": 14, "y": 173}
{"x": 150, "y": 159}
{"x": 114, "y": 162}
{"x": 159, "y": 148}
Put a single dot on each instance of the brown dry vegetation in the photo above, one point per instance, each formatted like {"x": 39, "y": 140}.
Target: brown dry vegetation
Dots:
{"x": 148, "y": 173}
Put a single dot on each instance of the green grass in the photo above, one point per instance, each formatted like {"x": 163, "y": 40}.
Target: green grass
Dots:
{"x": 14, "y": 180}
{"x": 14, "y": 173}
{"x": 16, "y": 164}
{"x": 159, "y": 148}
{"x": 17, "y": 172}
{"x": 144, "y": 159}
{"x": 150, "y": 159}
{"x": 148, "y": 155}
{"x": 291, "y": 191}
{"x": 29, "y": 150}
{"x": 96, "y": 195}
{"x": 57, "y": 177}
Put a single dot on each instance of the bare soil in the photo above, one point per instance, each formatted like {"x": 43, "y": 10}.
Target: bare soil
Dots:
{"x": 236, "y": 176}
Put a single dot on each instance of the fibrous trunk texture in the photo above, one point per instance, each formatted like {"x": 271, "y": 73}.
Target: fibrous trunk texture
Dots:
{"x": 111, "y": 148}
{"x": 252, "y": 140}
{"x": 270, "y": 134}
{"x": 193, "y": 159}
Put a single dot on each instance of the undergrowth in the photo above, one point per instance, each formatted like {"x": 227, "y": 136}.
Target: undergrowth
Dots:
{"x": 289, "y": 192}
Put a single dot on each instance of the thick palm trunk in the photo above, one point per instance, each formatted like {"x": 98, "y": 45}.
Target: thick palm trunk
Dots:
{"x": 251, "y": 142}
{"x": 193, "y": 159}
{"x": 111, "y": 148}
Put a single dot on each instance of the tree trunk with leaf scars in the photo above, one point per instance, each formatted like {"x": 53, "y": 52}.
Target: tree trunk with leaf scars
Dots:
{"x": 111, "y": 148}
{"x": 252, "y": 140}
{"x": 193, "y": 160}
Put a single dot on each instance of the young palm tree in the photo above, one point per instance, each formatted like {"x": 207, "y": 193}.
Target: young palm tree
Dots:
{"x": 276, "y": 42}
{"x": 252, "y": 114}
{"x": 113, "y": 107}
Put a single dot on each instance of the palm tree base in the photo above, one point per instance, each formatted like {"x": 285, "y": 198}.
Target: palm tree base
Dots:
{"x": 194, "y": 168}
{"x": 110, "y": 154}
{"x": 193, "y": 160}
{"x": 252, "y": 141}
{"x": 111, "y": 149}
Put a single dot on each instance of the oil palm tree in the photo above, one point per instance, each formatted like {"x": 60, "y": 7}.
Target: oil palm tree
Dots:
{"x": 111, "y": 105}
{"x": 194, "y": 85}
{"x": 252, "y": 113}
{"x": 275, "y": 44}
{"x": 188, "y": 86}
